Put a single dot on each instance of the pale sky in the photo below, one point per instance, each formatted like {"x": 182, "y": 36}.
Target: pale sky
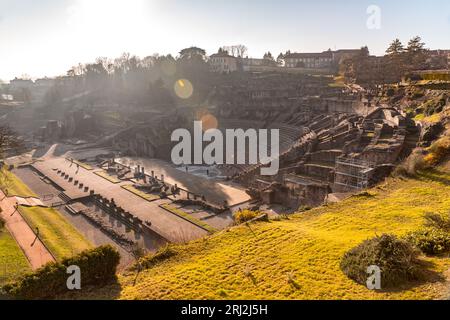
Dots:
{"x": 46, "y": 37}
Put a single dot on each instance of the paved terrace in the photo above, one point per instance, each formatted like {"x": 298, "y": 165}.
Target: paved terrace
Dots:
{"x": 215, "y": 192}
{"x": 166, "y": 224}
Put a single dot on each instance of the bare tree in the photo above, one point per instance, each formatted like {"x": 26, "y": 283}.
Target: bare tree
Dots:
{"x": 77, "y": 70}
{"x": 241, "y": 50}
{"x": 228, "y": 49}
{"x": 238, "y": 51}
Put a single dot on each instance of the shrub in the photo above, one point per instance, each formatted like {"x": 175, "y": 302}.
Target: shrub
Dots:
{"x": 138, "y": 252}
{"x": 431, "y": 160}
{"x": 417, "y": 94}
{"x": 98, "y": 267}
{"x": 151, "y": 260}
{"x": 397, "y": 259}
{"x": 415, "y": 162}
{"x": 245, "y": 215}
{"x": 439, "y": 150}
{"x": 280, "y": 217}
{"x": 304, "y": 208}
{"x": 390, "y": 92}
{"x": 434, "y": 106}
{"x": 431, "y": 241}
{"x": 435, "y": 220}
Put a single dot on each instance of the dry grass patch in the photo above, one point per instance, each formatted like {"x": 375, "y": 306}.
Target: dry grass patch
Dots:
{"x": 106, "y": 176}
{"x": 82, "y": 164}
{"x": 142, "y": 194}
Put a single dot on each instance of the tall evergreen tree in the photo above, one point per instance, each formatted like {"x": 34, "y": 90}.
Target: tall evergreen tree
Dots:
{"x": 415, "y": 45}
{"x": 395, "y": 48}
{"x": 416, "y": 53}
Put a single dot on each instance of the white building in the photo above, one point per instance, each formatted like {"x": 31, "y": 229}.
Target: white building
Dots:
{"x": 21, "y": 83}
{"x": 253, "y": 64}
{"x": 45, "y": 82}
{"x": 223, "y": 63}
{"x": 309, "y": 60}
{"x": 319, "y": 60}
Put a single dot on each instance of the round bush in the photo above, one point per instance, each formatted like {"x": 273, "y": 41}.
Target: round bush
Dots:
{"x": 431, "y": 241}
{"x": 245, "y": 215}
{"x": 397, "y": 259}
{"x": 440, "y": 149}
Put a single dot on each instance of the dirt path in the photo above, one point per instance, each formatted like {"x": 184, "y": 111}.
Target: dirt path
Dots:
{"x": 37, "y": 255}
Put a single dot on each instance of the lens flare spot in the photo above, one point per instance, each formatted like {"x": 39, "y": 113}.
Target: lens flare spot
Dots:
{"x": 209, "y": 122}
{"x": 183, "y": 88}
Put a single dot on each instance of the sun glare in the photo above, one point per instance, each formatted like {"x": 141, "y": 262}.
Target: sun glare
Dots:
{"x": 104, "y": 23}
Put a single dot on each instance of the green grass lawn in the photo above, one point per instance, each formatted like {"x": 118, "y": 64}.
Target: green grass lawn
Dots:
{"x": 59, "y": 236}
{"x": 13, "y": 262}
{"x": 14, "y": 185}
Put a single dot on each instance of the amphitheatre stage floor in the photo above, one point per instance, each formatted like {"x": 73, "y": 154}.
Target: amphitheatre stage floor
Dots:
{"x": 215, "y": 191}
{"x": 170, "y": 226}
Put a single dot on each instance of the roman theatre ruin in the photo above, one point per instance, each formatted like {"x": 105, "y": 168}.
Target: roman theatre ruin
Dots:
{"x": 333, "y": 142}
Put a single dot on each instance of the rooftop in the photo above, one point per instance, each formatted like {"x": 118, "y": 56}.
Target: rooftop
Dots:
{"x": 325, "y": 54}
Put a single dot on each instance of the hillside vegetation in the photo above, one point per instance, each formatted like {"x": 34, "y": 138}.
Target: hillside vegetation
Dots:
{"x": 13, "y": 262}
{"x": 297, "y": 257}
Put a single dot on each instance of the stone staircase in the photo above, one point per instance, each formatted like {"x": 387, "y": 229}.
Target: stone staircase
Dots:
{"x": 65, "y": 198}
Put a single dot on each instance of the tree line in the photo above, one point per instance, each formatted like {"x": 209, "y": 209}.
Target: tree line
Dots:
{"x": 398, "y": 61}
{"x": 131, "y": 80}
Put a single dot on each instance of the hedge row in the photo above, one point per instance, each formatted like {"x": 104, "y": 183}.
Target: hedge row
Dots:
{"x": 98, "y": 267}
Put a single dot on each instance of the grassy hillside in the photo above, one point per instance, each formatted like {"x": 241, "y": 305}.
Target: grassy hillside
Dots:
{"x": 296, "y": 258}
